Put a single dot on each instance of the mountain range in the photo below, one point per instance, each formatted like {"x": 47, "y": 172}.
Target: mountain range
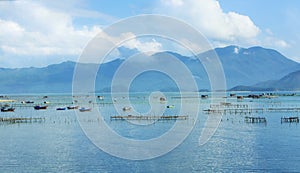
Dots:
{"x": 247, "y": 68}
{"x": 290, "y": 82}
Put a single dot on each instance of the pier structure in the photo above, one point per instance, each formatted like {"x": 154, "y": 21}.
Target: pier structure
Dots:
{"x": 21, "y": 120}
{"x": 234, "y": 111}
{"x": 147, "y": 117}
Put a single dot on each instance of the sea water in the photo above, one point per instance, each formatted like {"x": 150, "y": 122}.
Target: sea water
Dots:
{"x": 58, "y": 144}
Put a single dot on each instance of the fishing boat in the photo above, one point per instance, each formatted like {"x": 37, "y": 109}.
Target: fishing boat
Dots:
{"x": 7, "y": 109}
{"x": 204, "y": 96}
{"x": 83, "y": 109}
{"x": 40, "y": 107}
{"x": 29, "y": 102}
{"x": 101, "y": 97}
{"x": 72, "y": 107}
{"x": 170, "y": 106}
{"x": 61, "y": 109}
{"x": 239, "y": 97}
{"x": 162, "y": 99}
{"x": 126, "y": 108}
{"x": 7, "y": 105}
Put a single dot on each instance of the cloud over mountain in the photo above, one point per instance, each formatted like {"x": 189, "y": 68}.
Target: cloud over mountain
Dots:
{"x": 208, "y": 16}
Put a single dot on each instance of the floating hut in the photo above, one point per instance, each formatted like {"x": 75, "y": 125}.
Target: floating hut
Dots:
{"x": 232, "y": 95}
{"x": 255, "y": 119}
{"x": 253, "y": 96}
{"x": 290, "y": 120}
{"x": 239, "y": 97}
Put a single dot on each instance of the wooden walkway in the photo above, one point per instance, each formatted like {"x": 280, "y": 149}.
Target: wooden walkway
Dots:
{"x": 142, "y": 117}
{"x": 294, "y": 109}
{"x": 22, "y": 120}
{"x": 233, "y": 111}
{"x": 248, "y": 110}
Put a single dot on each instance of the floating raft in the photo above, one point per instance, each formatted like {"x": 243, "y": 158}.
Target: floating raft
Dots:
{"x": 290, "y": 120}
{"x": 255, "y": 119}
{"x": 243, "y": 109}
{"x": 141, "y": 117}
{"x": 22, "y": 120}
{"x": 232, "y": 111}
{"x": 284, "y": 109}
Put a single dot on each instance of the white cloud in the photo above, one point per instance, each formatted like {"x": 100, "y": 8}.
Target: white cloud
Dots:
{"x": 109, "y": 42}
{"x": 270, "y": 40}
{"x": 210, "y": 19}
{"x": 145, "y": 47}
{"x": 275, "y": 42}
{"x": 18, "y": 40}
{"x": 49, "y": 33}
{"x": 131, "y": 41}
{"x": 30, "y": 29}
{"x": 42, "y": 32}
{"x": 174, "y": 3}
{"x": 269, "y": 31}
{"x": 10, "y": 29}
{"x": 220, "y": 27}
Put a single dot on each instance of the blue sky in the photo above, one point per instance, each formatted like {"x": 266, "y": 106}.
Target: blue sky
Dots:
{"x": 38, "y": 33}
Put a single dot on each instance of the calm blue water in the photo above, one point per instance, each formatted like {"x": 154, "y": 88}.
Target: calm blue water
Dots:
{"x": 60, "y": 145}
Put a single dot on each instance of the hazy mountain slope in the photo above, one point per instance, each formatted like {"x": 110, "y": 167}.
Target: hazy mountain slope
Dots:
{"x": 287, "y": 83}
{"x": 253, "y": 65}
{"x": 241, "y": 67}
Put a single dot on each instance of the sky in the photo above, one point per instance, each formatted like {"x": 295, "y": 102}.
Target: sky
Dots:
{"x": 39, "y": 33}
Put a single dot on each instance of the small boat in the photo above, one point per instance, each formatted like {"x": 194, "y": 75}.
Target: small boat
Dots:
{"x": 126, "y": 108}
{"x": 83, "y": 109}
{"x": 72, "y": 107}
{"x": 29, "y": 102}
{"x": 40, "y": 107}
{"x": 162, "y": 99}
{"x": 239, "y": 97}
{"x": 101, "y": 97}
{"x": 204, "y": 96}
{"x": 7, "y": 109}
{"x": 61, "y": 109}
{"x": 170, "y": 106}
{"x": 7, "y": 106}
{"x": 232, "y": 95}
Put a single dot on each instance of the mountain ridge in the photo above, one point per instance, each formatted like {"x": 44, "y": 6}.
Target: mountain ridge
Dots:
{"x": 290, "y": 82}
{"x": 242, "y": 66}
